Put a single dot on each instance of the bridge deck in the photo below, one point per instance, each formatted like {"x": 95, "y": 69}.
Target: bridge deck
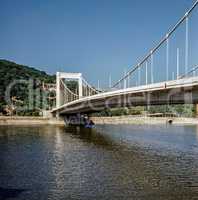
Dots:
{"x": 98, "y": 101}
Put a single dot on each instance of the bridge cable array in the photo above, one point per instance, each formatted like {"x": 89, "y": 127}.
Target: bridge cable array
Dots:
{"x": 88, "y": 90}
{"x": 148, "y": 61}
{"x": 68, "y": 95}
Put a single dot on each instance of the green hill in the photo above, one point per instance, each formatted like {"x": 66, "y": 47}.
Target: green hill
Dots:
{"x": 10, "y": 72}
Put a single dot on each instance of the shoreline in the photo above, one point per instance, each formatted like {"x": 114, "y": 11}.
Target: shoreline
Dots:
{"x": 29, "y": 121}
{"x": 141, "y": 120}
{"x": 130, "y": 120}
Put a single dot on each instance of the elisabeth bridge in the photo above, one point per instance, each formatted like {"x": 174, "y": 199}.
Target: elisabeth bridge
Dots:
{"x": 167, "y": 75}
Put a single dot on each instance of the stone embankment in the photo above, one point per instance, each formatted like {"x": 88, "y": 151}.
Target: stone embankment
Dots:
{"x": 98, "y": 120}
{"x": 143, "y": 120}
{"x": 29, "y": 121}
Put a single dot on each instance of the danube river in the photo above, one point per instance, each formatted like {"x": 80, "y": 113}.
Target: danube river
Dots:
{"x": 125, "y": 162}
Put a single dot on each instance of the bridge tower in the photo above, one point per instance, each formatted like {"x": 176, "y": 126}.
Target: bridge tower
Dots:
{"x": 60, "y": 76}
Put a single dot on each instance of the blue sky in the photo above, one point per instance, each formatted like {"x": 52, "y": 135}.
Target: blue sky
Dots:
{"x": 95, "y": 37}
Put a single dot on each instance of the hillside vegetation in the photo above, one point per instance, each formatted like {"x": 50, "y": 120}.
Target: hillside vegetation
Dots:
{"x": 10, "y": 72}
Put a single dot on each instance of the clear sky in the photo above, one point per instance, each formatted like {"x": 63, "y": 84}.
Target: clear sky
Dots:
{"x": 95, "y": 37}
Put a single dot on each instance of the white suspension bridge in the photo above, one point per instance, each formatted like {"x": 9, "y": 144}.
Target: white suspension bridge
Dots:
{"x": 166, "y": 75}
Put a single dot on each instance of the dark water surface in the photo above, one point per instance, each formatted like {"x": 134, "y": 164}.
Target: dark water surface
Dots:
{"x": 109, "y": 162}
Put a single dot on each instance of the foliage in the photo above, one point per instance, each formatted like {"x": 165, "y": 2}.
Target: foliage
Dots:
{"x": 118, "y": 111}
{"x": 187, "y": 110}
{"x": 10, "y": 72}
{"x": 121, "y": 111}
{"x": 136, "y": 110}
{"x": 73, "y": 86}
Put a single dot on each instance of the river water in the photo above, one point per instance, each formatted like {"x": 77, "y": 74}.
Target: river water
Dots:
{"x": 123, "y": 162}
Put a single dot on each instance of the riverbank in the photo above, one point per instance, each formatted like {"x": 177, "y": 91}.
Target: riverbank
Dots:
{"x": 143, "y": 120}
{"x": 99, "y": 120}
{"x": 29, "y": 121}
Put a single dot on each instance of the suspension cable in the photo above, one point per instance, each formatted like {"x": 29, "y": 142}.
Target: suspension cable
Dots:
{"x": 91, "y": 87}
{"x": 159, "y": 45}
{"x": 67, "y": 89}
{"x": 189, "y": 72}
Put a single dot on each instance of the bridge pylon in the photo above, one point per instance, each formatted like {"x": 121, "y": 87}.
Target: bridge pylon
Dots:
{"x": 60, "y": 76}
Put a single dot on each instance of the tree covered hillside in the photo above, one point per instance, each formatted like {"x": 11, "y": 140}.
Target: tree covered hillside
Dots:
{"x": 10, "y": 72}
